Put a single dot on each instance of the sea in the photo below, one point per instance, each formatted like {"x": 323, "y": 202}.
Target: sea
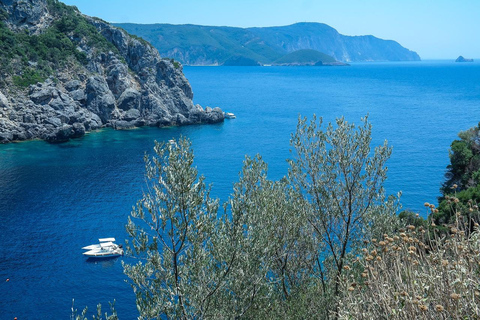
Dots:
{"x": 57, "y": 198}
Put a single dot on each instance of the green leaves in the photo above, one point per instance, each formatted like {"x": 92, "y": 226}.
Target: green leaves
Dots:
{"x": 342, "y": 180}
{"x": 31, "y": 58}
{"x": 278, "y": 248}
{"x": 463, "y": 177}
{"x": 169, "y": 227}
{"x": 30, "y": 76}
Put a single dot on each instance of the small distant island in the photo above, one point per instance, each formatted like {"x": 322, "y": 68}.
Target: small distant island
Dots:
{"x": 462, "y": 59}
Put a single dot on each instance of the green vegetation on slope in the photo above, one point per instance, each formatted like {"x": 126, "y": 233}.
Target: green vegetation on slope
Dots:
{"x": 29, "y": 58}
{"x": 462, "y": 188}
{"x": 209, "y": 45}
{"x": 464, "y": 168}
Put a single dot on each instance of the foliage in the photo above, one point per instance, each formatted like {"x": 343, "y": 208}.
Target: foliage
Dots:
{"x": 274, "y": 246}
{"x": 3, "y": 15}
{"x": 277, "y": 249}
{"x": 176, "y": 64}
{"x": 196, "y": 263}
{"x": 143, "y": 41}
{"x": 462, "y": 204}
{"x": 411, "y": 218}
{"x": 428, "y": 270}
{"x": 98, "y": 316}
{"x": 413, "y": 275}
{"x": 464, "y": 161}
{"x": 55, "y": 47}
{"x": 462, "y": 188}
{"x": 173, "y": 230}
{"x": 343, "y": 182}
{"x": 29, "y": 76}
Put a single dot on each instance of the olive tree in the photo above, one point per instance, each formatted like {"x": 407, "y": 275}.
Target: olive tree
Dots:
{"x": 278, "y": 249}
{"x": 175, "y": 232}
{"x": 342, "y": 179}
{"x": 98, "y": 316}
{"x": 271, "y": 242}
{"x": 195, "y": 262}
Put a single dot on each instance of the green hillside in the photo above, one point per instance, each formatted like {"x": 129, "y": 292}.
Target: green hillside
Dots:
{"x": 209, "y": 45}
{"x": 197, "y": 45}
{"x": 33, "y": 58}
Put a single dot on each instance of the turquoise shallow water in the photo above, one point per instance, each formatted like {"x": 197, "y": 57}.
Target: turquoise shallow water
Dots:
{"x": 54, "y": 199}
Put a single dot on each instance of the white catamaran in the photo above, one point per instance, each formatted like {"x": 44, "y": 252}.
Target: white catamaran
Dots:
{"x": 107, "y": 248}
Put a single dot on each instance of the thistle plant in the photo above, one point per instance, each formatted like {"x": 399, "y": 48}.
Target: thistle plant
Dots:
{"x": 412, "y": 274}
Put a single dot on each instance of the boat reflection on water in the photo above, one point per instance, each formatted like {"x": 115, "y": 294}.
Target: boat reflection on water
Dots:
{"x": 104, "y": 262}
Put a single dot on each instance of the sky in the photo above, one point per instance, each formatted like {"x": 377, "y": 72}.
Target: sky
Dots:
{"x": 435, "y": 29}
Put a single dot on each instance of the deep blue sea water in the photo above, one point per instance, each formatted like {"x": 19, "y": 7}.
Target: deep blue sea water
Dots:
{"x": 54, "y": 199}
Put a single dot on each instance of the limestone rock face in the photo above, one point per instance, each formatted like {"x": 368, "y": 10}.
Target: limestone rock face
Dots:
{"x": 3, "y": 101}
{"x": 127, "y": 87}
{"x": 30, "y": 14}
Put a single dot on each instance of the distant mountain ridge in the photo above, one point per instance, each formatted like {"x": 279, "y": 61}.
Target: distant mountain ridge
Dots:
{"x": 211, "y": 45}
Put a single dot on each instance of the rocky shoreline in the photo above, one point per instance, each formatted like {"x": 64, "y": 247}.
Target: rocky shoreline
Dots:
{"x": 128, "y": 88}
{"x": 56, "y": 114}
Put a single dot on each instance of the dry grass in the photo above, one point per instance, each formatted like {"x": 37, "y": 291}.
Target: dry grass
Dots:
{"x": 408, "y": 276}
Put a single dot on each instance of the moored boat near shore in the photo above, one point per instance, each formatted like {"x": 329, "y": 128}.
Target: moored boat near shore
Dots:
{"x": 229, "y": 115}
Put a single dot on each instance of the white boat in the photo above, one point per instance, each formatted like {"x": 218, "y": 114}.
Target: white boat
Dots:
{"x": 105, "y": 249}
{"x": 97, "y": 246}
{"x": 229, "y": 115}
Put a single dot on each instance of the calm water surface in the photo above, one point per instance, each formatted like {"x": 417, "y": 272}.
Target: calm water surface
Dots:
{"x": 54, "y": 199}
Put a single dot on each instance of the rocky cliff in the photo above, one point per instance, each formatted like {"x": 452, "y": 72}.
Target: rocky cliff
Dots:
{"x": 323, "y": 38}
{"x": 64, "y": 73}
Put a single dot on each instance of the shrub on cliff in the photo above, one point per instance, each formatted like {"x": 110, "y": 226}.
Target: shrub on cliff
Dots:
{"x": 41, "y": 54}
{"x": 463, "y": 178}
{"x": 464, "y": 167}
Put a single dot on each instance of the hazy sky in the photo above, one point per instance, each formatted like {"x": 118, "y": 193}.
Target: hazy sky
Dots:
{"x": 435, "y": 29}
